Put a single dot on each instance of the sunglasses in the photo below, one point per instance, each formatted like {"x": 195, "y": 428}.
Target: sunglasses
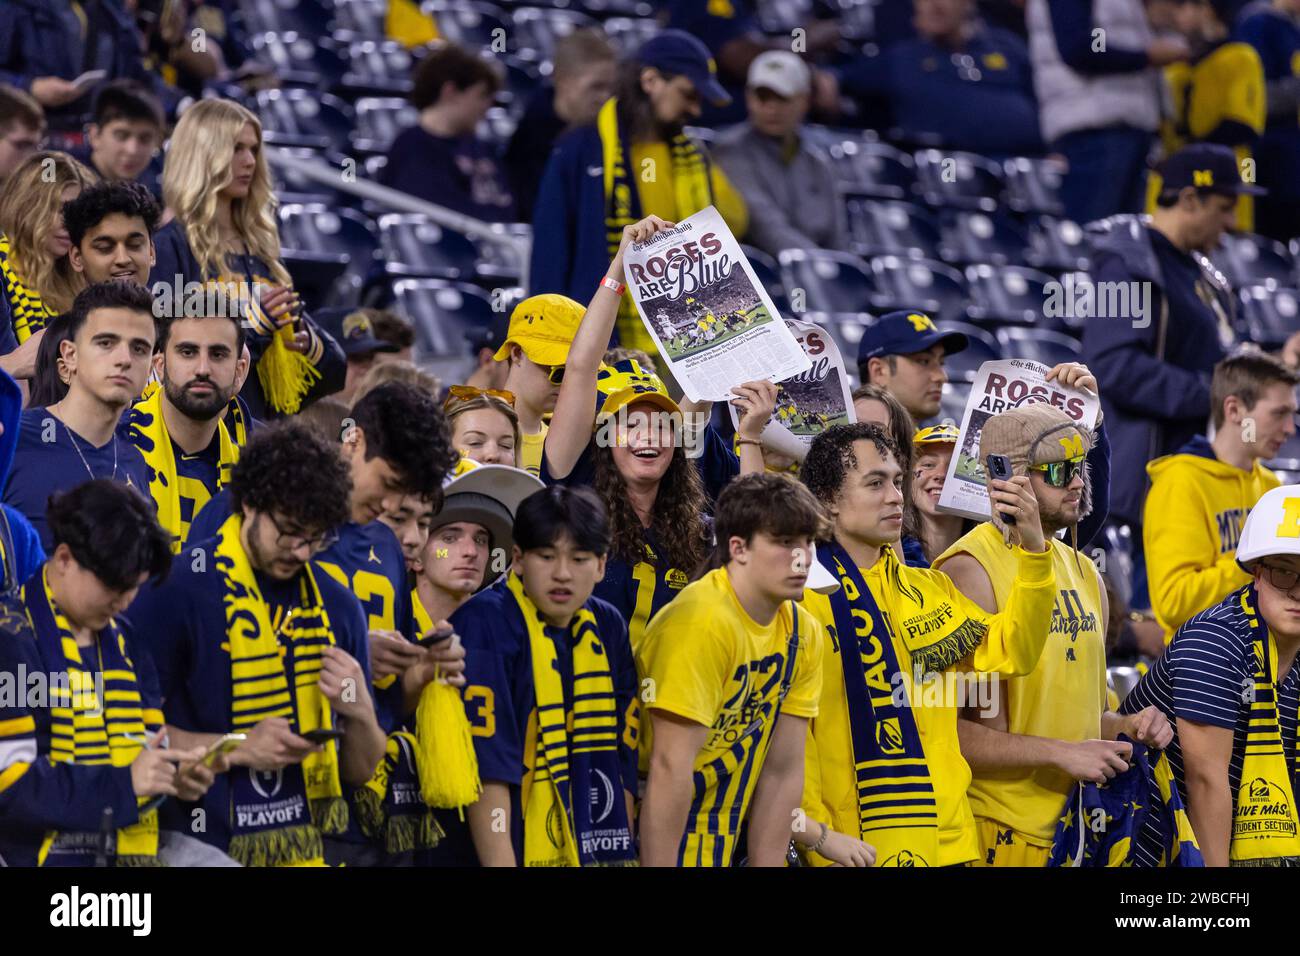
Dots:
{"x": 1283, "y": 579}
{"x": 554, "y": 374}
{"x": 1059, "y": 474}
{"x": 466, "y": 392}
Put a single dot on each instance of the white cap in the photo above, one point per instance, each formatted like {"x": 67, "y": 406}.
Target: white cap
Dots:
{"x": 1272, "y": 527}
{"x": 780, "y": 71}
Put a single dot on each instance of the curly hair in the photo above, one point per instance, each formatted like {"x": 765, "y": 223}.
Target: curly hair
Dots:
{"x": 405, "y": 426}
{"x": 678, "y": 523}
{"x": 96, "y": 203}
{"x": 112, "y": 532}
{"x": 289, "y": 470}
{"x": 830, "y": 456}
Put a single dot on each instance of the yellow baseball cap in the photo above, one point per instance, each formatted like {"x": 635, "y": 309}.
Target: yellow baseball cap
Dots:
{"x": 543, "y": 326}
{"x": 627, "y": 382}
{"x": 943, "y": 433}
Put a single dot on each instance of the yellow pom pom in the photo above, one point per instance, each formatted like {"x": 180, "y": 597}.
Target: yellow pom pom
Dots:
{"x": 286, "y": 376}
{"x": 448, "y": 765}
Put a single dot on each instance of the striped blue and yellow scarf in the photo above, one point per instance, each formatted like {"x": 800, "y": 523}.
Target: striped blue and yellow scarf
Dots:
{"x": 277, "y": 818}
{"x": 87, "y": 730}
{"x": 30, "y": 314}
{"x": 692, "y": 187}
{"x": 574, "y": 810}
{"x": 897, "y": 812}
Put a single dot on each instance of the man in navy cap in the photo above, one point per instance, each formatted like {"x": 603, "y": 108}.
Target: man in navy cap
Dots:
{"x": 582, "y": 207}
{"x": 355, "y": 331}
{"x": 903, "y": 352}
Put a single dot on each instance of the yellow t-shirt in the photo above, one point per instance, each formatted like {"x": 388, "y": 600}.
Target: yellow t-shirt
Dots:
{"x": 705, "y": 659}
{"x": 530, "y": 450}
{"x": 1062, "y": 698}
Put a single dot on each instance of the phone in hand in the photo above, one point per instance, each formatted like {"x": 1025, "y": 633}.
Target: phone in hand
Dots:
{"x": 322, "y": 735}
{"x": 999, "y": 467}
{"x": 435, "y": 637}
{"x": 222, "y": 746}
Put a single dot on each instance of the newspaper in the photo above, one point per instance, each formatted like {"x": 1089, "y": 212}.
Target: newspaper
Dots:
{"x": 1000, "y": 387}
{"x": 812, "y": 401}
{"x": 711, "y": 319}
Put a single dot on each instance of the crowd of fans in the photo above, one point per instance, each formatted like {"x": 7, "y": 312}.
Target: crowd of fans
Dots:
{"x": 276, "y": 577}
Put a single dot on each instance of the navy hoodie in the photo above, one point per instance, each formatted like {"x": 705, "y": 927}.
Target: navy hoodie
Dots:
{"x": 23, "y": 553}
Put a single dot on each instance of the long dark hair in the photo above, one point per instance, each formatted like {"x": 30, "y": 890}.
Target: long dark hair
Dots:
{"x": 677, "y": 524}
{"x": 47, "y": 387}
{"x": 635, "y": 112}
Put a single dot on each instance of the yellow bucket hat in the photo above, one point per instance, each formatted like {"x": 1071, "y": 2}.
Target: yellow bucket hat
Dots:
{"x": 543, "y": 326}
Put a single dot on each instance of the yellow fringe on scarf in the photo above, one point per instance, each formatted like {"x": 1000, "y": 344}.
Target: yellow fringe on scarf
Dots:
{"x": 447, "y": 763}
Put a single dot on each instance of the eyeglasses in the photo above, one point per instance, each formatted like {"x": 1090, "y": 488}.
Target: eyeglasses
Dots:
{"x": 554, "y": 373}
{"x": 1059, "y": 474}
{"x": 464, "y": 393}
{"x": 1283, "y": 579}
{"x": 292, "y": 542}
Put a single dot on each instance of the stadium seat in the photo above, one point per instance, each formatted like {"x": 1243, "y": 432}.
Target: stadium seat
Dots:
{"x": 865, "y": 168}
{"x": 379, "y": 120}
{"x": 1038, "y": 345}
{"x": 1271, "y": 315}
{"x": 537, "y": 29}
{"x": 641, "y": 9}
{"x": 1116, "y": 542}
{"x": 299, "y": 59}
{"x": 952, "y": 404}
{"x": 413, "y": 245}
{"x": 628, "y": 33}
{"x": 303, "y": 17}
{"x": 1057, "y": 245}
{"x": 445, "y": 315}
{"x": 782, "y": 16}
{"x": 1288, "y": 456}
{"x": 1034, "y": 185}
{"x": 919, "y": 284}
{"x": 823, "y": 281}
{"x": 497, "y": 262}
{"x": 768, "y": 274}
{"x": 318, "y": 228}
{"x": 975, "y": 237}
{"x": 377, "y": 68}
{"x": 497, "y": 126}
{"x": 963, "y": 366}
{"x": 884, "y": 227}
{"x": 470, "y": 24}
{"x": 1249, "y": 259}
{"x": 846, "y": 329}
{"x": 959, "y": 180}
{"x": 1007, "y": 294}
{"x": 296, "y": 117}
{"x": 360, "y": 19}
{"x": 317, "y": 276}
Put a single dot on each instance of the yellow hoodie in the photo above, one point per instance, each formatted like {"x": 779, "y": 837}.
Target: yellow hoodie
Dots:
{"x": 1013, "y": 644}
{"x": 1192, "y": 519}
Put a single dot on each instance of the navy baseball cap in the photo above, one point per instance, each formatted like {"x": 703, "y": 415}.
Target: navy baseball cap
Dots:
{"x": 352, "y": 329}
{"x": 678, "y": 53}
{"x": 1207, "y": 166}
{"x": 905, "y": 333}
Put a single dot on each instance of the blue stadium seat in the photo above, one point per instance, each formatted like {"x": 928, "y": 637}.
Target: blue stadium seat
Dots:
{"x": 1057, "y": 245}
{"x": 846, "y": 329}
{"x": 782, "y": 16}
{"x": 378, "y": 68}
{"x": 497, "y": 126}
{"x": 1116, "y": 542}
{"x": 379, "y": 120}
{"x": 1034, "y": 185}
{"x": 628, "y": 33}
{"x": 1271, "y": 315}
{"x": 360, "y": 19}
{"x": 304, "y": 17}
{"x": 963, "y": 366}
{"x": 297, "y": 117}
{"x": 319, "y": 228}
{"x": 1288, "y": 456}
{"x": 866, "y": 168}
{"x": 768, "y": 274}
{"x": 470, "y": 24}
{"x": 537, "y": 29}
{"x": 1007, "y": 294}
{"x": 1249, "y": 259}
{"x": 959, "y": 180}
{"x": 299, "y": 59}
{"x": 499, "y": 263}
{"x": 825, "y": 281}
{"x": 1039, "y": 345}
{"x": 446, "y": 315}
{"x": 883, "y": 227}
{"x": 317, "y": 276}
{"x": 975, "y": 237}
{"x": 920, "y": 284}
{"x": 412, "y": 245}
{"x": 952, "y": 404}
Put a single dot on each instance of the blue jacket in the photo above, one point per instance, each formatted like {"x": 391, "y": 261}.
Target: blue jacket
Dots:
{"x": 35, "y": 41}
{"x": 1153, "y": 371}
{"x": 23, "y": 553}
{"x": 570, "y": 214}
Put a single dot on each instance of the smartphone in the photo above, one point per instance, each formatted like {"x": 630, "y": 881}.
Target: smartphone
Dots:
{"x": 435, "y": 637}
{"x": 999, "y": 467}
{"x": 322, "y": 735}
{"x": 222, "y": 745}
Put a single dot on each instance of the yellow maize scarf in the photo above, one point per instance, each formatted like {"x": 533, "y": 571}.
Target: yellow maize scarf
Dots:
{"x": 574, "y": 810}
{"x": 1264, "y": 823}
{"x": 85, "y": 729}
{"x": 30, "y": 314}
{"x": 147, "y": 430}
{"x": 692, "y": 188}
{"x": 390, "y": 807}
{"x": 448, "y": 764}
{"x": 269, "y": 818}
{"x": 286, "y": 375}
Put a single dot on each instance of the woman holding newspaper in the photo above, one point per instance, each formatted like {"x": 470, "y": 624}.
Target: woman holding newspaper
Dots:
{"x": 653, "y": 470}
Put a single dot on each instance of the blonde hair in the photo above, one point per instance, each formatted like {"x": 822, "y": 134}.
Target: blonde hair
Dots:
{"x": 30, "y": 213}
{"x": 198, "y": 166}
{"x": 398, "y": 370}
{"x": 456, "y": 407}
